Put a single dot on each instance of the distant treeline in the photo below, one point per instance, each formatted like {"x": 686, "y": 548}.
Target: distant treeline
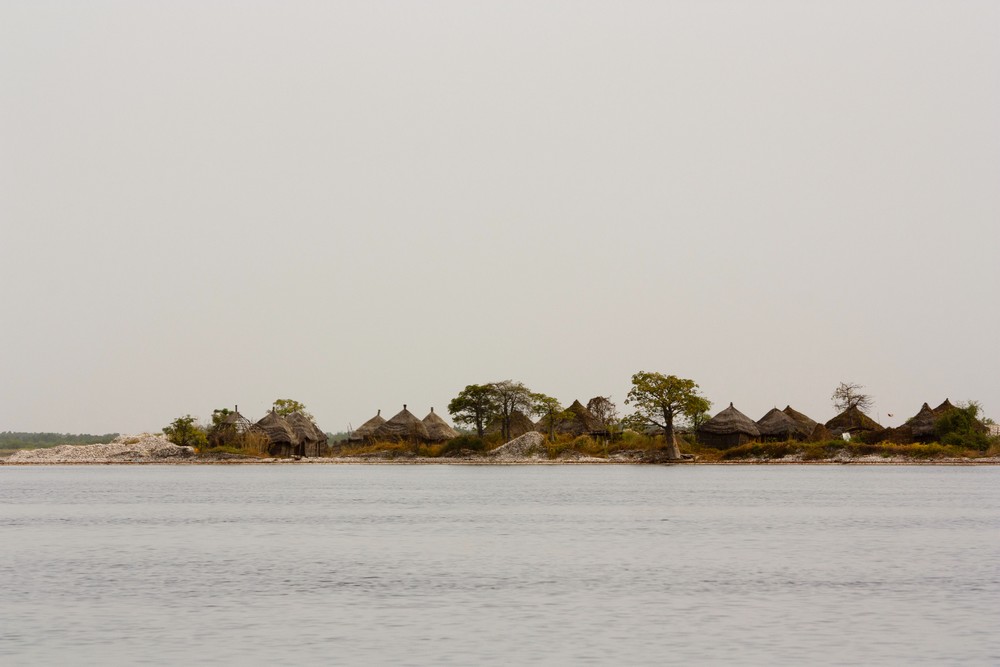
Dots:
{"x": 15, "y": 440}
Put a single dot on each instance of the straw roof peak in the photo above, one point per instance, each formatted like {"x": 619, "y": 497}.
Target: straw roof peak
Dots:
{"x": 403, "y": 426}
{"x": 575, "y": 420}
{"x": 778, "y": 424}
{"x": 367, "y": 430}
{"x": 799, "y": 417}
{"x": 924, "y": 422}
{"x": 852, "y": 419}
{"x": 944, "y": 407}
{"x": 305, "y": 429}
{"x": 277, "y": 429}
{"x": 731, "y": 421}
{"x": 437, "y": 428}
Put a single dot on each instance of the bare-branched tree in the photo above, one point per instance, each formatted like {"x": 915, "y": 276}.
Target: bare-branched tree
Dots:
{"x": 848, "y": 395}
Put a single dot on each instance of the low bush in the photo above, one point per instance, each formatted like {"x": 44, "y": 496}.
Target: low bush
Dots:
{"x": 472, "y": 443}
{"x": 226, "y": 449}
{"x": 763, "y": 450}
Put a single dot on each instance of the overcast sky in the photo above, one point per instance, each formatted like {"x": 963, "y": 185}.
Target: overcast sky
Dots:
{"x": 365, "y": 204}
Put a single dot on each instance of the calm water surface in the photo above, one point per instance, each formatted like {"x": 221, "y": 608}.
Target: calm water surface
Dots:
{"x": 499, "y": 565}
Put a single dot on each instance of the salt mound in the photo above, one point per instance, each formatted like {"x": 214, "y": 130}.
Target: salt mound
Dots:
{"x": 141, "y": 448}
{"x": 529, "y": 445}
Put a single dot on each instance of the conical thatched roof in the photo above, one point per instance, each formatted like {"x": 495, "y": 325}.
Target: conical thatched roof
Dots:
{"x": 277, "y": 429}
{"x": 304, "y": 428}
{"x": 820, "y": 433}
{"x": 777, "y": 424}
{"x": 922, "y": 424}
{"x": 575, "y": 420}
{"x": 947, "y": 406}
{"x": 367, "y": 430}
{"x": 852, "y": 419}
{"x": 519, "y": 425}
{"x": 943, "y": 408}
{"x": 404, "y": 426}
{"x": 438, "y": 429}
{"x": 585, "y": 418}
{"x": 730, "y": 421}
{"x": 799, "y": 417}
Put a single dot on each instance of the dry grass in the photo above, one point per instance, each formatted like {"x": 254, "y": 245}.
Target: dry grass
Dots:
{"x": 818, "y": 451}
{"x": 637, "y": 442}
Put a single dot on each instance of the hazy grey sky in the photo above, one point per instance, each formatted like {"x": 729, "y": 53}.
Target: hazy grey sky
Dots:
{"x": 361, "y": 204}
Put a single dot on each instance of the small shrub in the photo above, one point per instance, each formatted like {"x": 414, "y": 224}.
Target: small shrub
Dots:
{"x": 185, "y": 432}
{"x": 224, "y": 449}
{"x": 814, "y": 453}
{"x": 763, "y": 450}
{"x": 554, "y": 449}
{"x": 463, "y": 442}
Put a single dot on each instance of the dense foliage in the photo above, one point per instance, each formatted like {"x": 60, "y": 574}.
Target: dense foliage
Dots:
{"x": 185, "y": 432}
{"x": 962, "y": 427}
{"x": 660, "y": 399}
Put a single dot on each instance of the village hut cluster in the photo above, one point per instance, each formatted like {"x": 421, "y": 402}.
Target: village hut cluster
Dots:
{"x": 731, "y": 428}
{"x": 282, "y": 435}
{"x": 297, "y": 435}
{"x": 404, "y": 427}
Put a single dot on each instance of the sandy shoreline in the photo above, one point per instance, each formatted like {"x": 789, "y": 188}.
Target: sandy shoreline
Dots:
{"x": 525, "y": 462}
{"x": 153, "y": 449}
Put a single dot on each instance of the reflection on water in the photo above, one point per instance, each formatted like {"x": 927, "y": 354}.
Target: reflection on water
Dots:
{"x": 469, "y": 565}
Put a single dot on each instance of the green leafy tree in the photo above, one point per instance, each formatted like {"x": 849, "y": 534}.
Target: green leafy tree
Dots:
{"x": 219, "y": 416}
{"x": 549, "y": 410}
{"x": 605, "y": 411}
{"x": 509, "y": 396}
{"x": 286, "y": 406}
{"x": 695, "y": 421}
{"x": 185, "y": 432}
{"x": 962, "y": 427}
{"x": 473, "y": 407}
{"x": 659, "y": 399}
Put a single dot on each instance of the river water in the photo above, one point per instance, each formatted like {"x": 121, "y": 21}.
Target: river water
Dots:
{"x": 460, "y": 565}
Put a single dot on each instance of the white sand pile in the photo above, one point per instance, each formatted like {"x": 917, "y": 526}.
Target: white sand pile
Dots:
{"x": 141, "y": 448}
{"x": 529, "y": 445}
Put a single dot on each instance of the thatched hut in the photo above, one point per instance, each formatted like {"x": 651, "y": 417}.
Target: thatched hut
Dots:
{"x": 729, "y": 428}
{"x": 281, "y": 438}
{"x": 438, "y": 429}
{"x": 817, "y": 432}
{"x": 230, "y": 429}
{"x": 805, "y": 420}
{"x": 820, "y": 433}
{"x": 854, "y": 422}
{"x": 776, "y": 425}
{"x": 404, "y": 426}
{"x": 519, "y": 425}
{"x": 575, "y": 420}
{"x": 367, "y": 430}
{"x": 922, "y": 425}
{"x": 311, "y": 440}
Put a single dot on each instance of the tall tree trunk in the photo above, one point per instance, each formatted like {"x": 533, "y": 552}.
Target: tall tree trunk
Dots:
{"x": 671, "y": 448}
